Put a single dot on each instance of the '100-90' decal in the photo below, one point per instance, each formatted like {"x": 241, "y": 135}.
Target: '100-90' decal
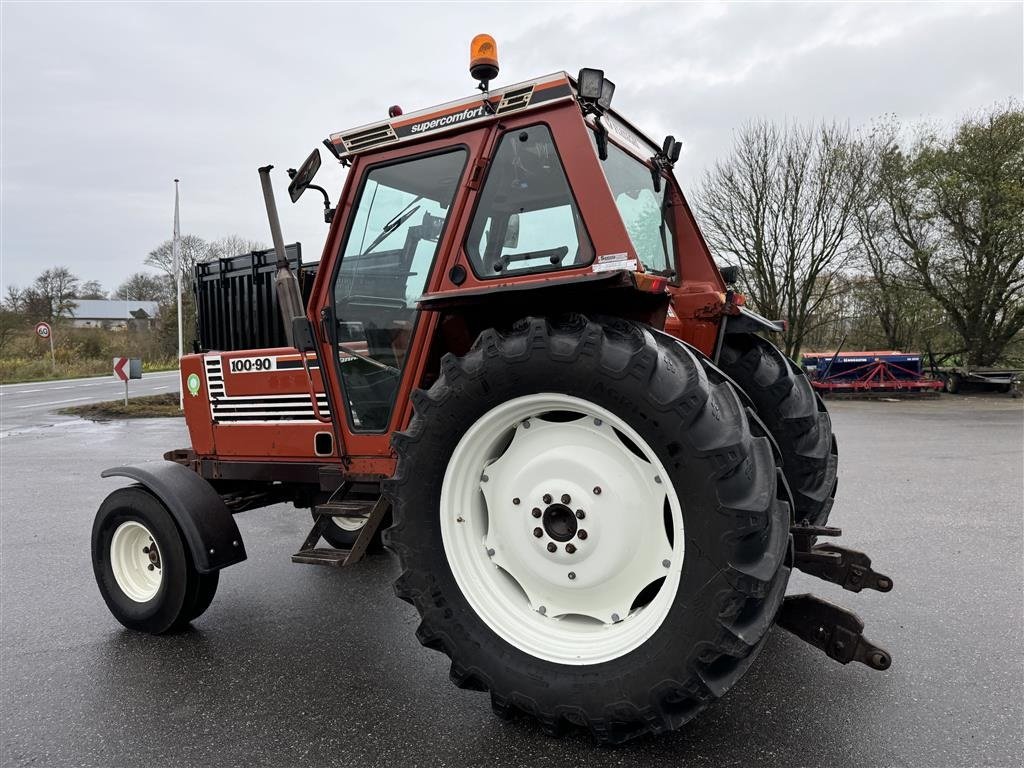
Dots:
{"x": 252, "y": 364}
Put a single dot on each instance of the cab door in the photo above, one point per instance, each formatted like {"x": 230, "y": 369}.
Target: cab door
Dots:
{"x": 401, "y": 210}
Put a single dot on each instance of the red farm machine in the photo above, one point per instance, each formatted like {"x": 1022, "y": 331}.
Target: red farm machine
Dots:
{"x": 869, "y": 374}
{"x": 518, "y": 355}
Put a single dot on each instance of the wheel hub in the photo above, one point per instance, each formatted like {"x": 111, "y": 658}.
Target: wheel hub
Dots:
{"x": 560, "y": 522}
{"x": 135, "y": 561}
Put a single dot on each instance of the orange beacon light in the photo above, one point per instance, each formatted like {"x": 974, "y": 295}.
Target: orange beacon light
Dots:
{"x": 483, "y": 58}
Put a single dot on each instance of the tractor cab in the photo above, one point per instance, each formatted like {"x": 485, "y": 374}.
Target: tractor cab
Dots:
{"x": 532, "y": 198}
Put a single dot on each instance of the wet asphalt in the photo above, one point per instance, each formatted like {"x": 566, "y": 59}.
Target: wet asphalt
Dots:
{"x": 303, "y": 665}
{"x": 25, "y": 407}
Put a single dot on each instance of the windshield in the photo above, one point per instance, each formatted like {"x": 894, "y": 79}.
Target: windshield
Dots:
{"x": 643, "y": 209}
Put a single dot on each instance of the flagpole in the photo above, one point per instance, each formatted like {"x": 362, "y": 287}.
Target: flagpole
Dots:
{"x": 176, "y": 250}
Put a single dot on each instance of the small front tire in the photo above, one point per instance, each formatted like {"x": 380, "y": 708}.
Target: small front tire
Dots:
{"x": 142, "y": 566}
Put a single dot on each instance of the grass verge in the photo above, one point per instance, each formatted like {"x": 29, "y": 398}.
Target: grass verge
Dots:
{"x": 23, "y": 371}
{"x": 145, "y": 407}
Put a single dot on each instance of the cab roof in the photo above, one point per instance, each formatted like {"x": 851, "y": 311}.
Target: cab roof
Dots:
{"x": 517, "y": 98}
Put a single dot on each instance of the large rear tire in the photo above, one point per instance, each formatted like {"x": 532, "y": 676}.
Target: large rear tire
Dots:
{"x": 554, "y": 429}
{"x": 794, "y": 415}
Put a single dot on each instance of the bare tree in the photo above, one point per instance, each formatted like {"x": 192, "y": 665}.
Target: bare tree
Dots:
{"x": 14, "y": 299}
{"x": 55, "y": 290}
{"x": 783, "y": 205}
{"x": 143, "y": 286}
{"x": 890, "y": 293}
{"x": 193, "y": 251}
{"x": 234, "y": 245}
{"x": 91, "y": 290}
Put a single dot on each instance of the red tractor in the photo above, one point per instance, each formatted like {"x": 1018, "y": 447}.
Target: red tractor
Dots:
{"x": 518, "y": 354}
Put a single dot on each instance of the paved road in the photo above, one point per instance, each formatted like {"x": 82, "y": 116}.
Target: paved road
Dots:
{"x": 27, "y": 406}
{"x": 303, "y": 665}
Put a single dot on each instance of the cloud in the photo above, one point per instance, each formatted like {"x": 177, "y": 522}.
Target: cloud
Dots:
{"x": 104, "y": 105}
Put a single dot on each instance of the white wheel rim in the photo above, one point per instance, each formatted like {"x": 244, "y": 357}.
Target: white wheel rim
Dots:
{"x": 350, "y": 524}
{"x": 133, "y": 550}
{"x": 519, "y": 588}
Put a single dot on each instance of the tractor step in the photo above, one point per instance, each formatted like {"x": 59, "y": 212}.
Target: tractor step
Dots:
{"x": 336, "y": 558}
{"x": 834, "y": 630}
{"x": 848, "y": 568}
{"x": 310, "y": 554}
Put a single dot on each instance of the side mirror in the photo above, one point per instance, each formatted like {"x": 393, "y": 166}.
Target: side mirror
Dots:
{"x": 604, "y": 101}
{"x": 590, "y": 84}
{"x": 671, "y": 149}
{"x": 304, "y": 176}
{"x": 302, "y": 334}
{"x": 512, "y": 231}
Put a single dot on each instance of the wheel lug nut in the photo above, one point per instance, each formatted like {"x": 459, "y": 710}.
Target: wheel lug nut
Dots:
{"x": 150, "y": 566}
{"x": 551, "y": 546}
{"x": 572, "y": 575}
{"x": 535, "y": 512}
{"x": 570, "y": 548}
{"x": 581, "y": 533}
{"x": 597, "y": 490}
{"x": 538, "y": 532}
{"x": 666, "y": 563}
{"x": 580, "y": 514}
{"x": 566, "y": 498}
{"x": 515, "y": 500}
{"x": 547, "y": 498}
{"x": 490, "y": 553}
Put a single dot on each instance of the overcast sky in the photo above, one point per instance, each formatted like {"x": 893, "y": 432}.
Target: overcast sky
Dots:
{"x": 103, "y": 105}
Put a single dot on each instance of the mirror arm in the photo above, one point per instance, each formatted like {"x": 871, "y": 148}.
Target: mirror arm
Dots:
{"x": 601, "y": 134}
{"x": 328, "y": 210}
{"x": 656, "y": 174}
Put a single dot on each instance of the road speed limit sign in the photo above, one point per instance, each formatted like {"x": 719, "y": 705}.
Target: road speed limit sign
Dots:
{"x": 43, "y": 330}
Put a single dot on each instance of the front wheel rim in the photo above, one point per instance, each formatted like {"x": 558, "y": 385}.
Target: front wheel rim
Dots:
{"x": 562, "y": 529}
{"x": 136, "y": 562}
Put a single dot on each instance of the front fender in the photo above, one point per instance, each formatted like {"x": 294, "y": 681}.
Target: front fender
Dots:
{"x": 205, "y": 521}
{"x": 748, "y": 321}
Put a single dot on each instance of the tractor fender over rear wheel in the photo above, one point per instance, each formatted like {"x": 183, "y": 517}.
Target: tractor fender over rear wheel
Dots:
{"x": 590, "y": 524}
{"x": 794, "y": 415}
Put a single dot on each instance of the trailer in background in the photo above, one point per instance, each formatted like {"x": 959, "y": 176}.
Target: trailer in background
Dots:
{"x": 869, "y": 374}
{"x": 957, "y": 379}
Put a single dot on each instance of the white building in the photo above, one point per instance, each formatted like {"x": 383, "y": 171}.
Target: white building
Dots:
{"x": 112, "y": 313}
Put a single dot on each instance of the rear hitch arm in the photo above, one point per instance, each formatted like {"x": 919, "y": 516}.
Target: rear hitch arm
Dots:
{"x": 832, "y": 629}
{"x": 848, "y": 568}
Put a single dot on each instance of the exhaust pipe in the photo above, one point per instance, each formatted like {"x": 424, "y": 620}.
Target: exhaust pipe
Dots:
{"x": 289, "y": 297}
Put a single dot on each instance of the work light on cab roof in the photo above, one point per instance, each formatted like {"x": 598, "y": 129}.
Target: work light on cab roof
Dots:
{"x": 517, "y": 350}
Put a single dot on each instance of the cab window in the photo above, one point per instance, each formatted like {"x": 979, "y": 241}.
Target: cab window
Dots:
{"x": 643, "y": 209}
{"x": 526, "y": 218}
{"x": 392, "y": 240}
